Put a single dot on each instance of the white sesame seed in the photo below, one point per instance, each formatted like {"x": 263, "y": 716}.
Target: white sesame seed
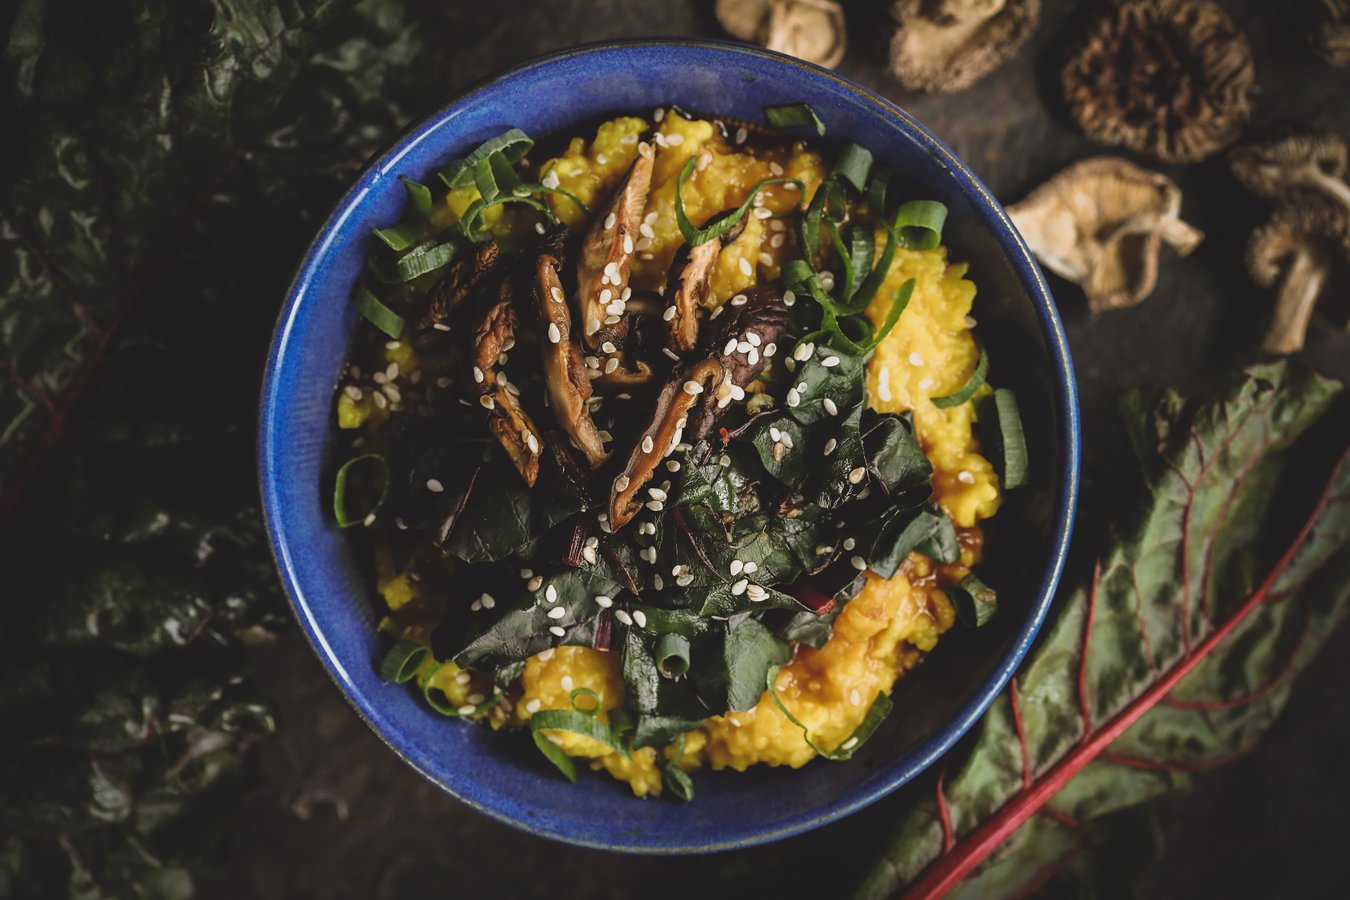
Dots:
{"x": 740, "y": 299}
{"x": 970, "y": 322}
{"x": 830, "y": 406}
{"x": 443, "y": 382}
{"x": 611, "y": 320}
{"x": 849, "y": 744}
{"x": 739, "y": 587}
{"x": 830, "y": 362}
{"x": 527, "y": 574}
{"x": 440, "y": 326}
{"x": 859, "y": 563}
{"x": 669, "y": 313}
{"x": 487, "y": 402}
{"x": 554, "y": 334}
{"x": 532, "y": 442}
{"x": 675, "y": 140}
{"x": 392, "y": 372}
{"x": 830, "y": 445}
{"x": 609, "y": 223}
{"x": 827, "y": 280}
{"x": 736, "y": 566}
{"x": 715, "y": 313}
{"x": 849, "y": 543}
{"x": 924, "y": 384}
{"x": 434, "y": 485}
{"x": 592, "y": 325}
{"x": 603, "y": 601}
{"x": 789, "y": 298}
{"x": 965, "y": 477}
{"x": 752, "y": 355}
{"x": 915, "y": 359}
{"x": 744, "y": 266}
{"x": 756, "y": 593}
{"x": 588, "y": 554}
{"x": 380, "y": 378}
{"x": 551, "y": 594}
{"x": 611, "y": 365}
{"x": 545, "y": 655}
{"x": 557, "y": 612}
{"x": 538, "y": 226}
{"x": 655, "y": 506}
{"x": 724, "y": 461}
{"x": 656, "y": 493}
{"x": 466, "y": 710}
{"x": 475, "y": 698}
{"x": 557, "y": 631}
{"x": 741, "y": 135}
{"x": 751, "y": 567}
{"x": 672, "y": 465}
{"x": 478, "y": 375}
{"x": 627, "y": 243}
{"x": 769, "y": 349}
{"x": 744, "y": 346}
{"x": 353, "y": 391}
{"x": 857, "y": 475}
{"x": 534, "y": 583}
{"x": 648, "y": 444}
{"x": 646, "y": 230}
{"x": 793, "y": 398}
{"x": 693, "y": 388}
{"x": 658, "y": 582}
{"x": 684, "y": 580}
{"x": 802, "y": 352}
{"x": 488, "y": 601}
{"x": 639, "y": 618}
{"x": 777, "y": 240}
{"x": 533, "y": 706}
{"x": 369, "y": 520}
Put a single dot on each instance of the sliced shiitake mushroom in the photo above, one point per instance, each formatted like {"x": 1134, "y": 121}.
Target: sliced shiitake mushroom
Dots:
{"x": 753, "y": 323}
{"x": 569, "y": 387}
{"x": 462, "y": 277}
{"x": 493, "y": 334}
{"x": 662, "y": 433}
{"x": 607, "y": 256}
{"x": 688, "y": 286}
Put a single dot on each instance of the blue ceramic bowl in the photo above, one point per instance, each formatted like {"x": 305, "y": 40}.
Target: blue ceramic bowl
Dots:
{"x": 502, "y": 774}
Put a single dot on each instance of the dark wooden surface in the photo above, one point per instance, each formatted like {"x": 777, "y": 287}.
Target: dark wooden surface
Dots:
{"x": 334, "y": 814}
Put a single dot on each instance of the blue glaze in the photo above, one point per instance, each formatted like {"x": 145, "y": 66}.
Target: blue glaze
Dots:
{"x": 503, "y": 775}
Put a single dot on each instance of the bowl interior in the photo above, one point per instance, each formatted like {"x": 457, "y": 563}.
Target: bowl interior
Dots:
{"x": 503, "y": 775}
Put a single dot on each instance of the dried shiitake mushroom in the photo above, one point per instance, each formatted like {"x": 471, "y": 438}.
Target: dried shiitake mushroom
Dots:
{"x": 941, "y": 46}
{"x": 1297, "y": 249}
{"x": 1101, "y": 223}
{"x": 812, "y": 30}
{"x": 1331, "y": 38}
{"x": 1164, "y": 77}
{"x": 1297, "y": 162}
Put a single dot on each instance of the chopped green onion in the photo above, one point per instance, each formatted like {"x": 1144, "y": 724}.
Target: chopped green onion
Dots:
{"x": 672, "y": 655}
{"x": 876, "y": 714}
{"x": 967, "y": 390}
{"x": 1000, "y": 428}
{"x": 862, "y": 297}
{"x": 898, "y": 304}
{"x": 379, "y": 315}
{"x": 416, "y": 218}
{"x": 586, "y": 724}
{"x": 344, "y": 518}
{"x": 425, "y": 258}
{"x": 473, "y": 216}
{"x": 593, "y": 709}
{"x": 919, "y": 224}
{"x": 675, "y": 779}
{"x": 511, "y": 145}
{"x": 402, "y": 661}
{"x": 877, "y": 189}
{"x": 853, "y": 165}
{"x": 974, "y": 601}
{"x": 794, "y": 115}
{"x": 862, "y": 241}
{"x": 721, "y": 224}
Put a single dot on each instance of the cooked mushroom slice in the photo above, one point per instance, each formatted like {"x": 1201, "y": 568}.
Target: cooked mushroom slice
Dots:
{"x": 662, "y": 433}
{"x": 687, "y": 287}
{"x": 1164, "y": 77}
{"x": 569, "y": 388}
{"x": 1301, "y": 161}
{"x": 1296, "y": 248}
{"x": 753, "y": 323}
{"x": 493, "y": 335}
{"x": 1331, "y": 38}
{"x": 607, "y": 256}
{"x": 812, "y": 30}
{"x": 1100, "y": 223}
{"x": 614, "y": 374}
{"x": 948, "y": 45}
{"x": 461, "y": 278}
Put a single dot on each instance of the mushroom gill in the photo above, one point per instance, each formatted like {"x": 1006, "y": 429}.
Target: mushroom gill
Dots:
{"x": 1101, "y": 223}
{"x": 1274, "y": 168}
{"x": 607, "y": 256}
{"x": 1296, "y": 248}
{"x": 943, "y": 46}
{"x": 812, "y": 30}
{"x": 564, "y": 370}
{"x": 493, "y": 334}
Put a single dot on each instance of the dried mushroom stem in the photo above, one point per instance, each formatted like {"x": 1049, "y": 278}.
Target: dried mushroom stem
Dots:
{"x": 568, "y": 386}
{"x": 943, "y": 46}
{"x": 493, "y": 336}
{"x": 1164, "y": 77}
{"x": 607, "y": 256}
{"x": 1331, "y": 39}
{"x": 1296, "y": 248}
{"x": 813, "y": 30}
{"x": 663, "y": 433}
{"x": 1101, "y": 223}
{"x": 1302, "y": 161}
{"x": 462, "y": 277}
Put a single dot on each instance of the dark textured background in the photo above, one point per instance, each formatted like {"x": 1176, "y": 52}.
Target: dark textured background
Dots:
{"x": 334, "y": 814}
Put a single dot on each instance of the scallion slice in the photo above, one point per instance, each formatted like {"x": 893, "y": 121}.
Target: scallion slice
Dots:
{"x": 379, "y": 315}
{"x": 425, "y": 258}
{"x": 721, "y": 224}
{"x": 672, "y": 655}
{"x": 918, "y": 224}
{"x": 512, "y": 145}
{"x": 794, "y": 115}
{"x": 853, "y": 166}
{"x": 416, "y": 218}
{"x": 402, "y": 661}
{"x": 675, "y": 779}
{"x": 345, "y": 518}
{"x": 967, "y": 390}
{"x": 1000, "y": 427}
{"x": 876, "y": 714}
{"x": 974, "y": 601}
{"x": 877, "y": 188}
{"x": 898, "y": 304}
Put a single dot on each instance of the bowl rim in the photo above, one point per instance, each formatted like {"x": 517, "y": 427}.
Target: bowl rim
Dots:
{"x": 922, "y": 755}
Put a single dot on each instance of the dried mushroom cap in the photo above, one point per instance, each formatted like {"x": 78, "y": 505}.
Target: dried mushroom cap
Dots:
{"x": 1100, "y": 223}
{"x": 1331, "y": 38}
{"x": 664, "y": 430}
{"x": 688, "y": 285}
{"x": 454, "y": 287}
{"x": 569, "y": 387}
{"x": 1164, "y": 77}
{"x": 942, "y": 46}
{"x": 493, "y": 335}
{"x": 607, "y": 256}
{"x": 812, "y": 30}
{"x": 1297, "y": 248}
{"x": 1297, "y": 162}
